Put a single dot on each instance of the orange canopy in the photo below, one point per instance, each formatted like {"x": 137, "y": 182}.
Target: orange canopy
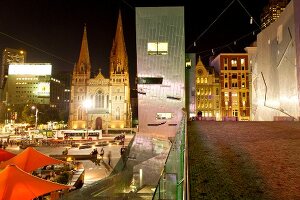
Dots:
{"x": 5, "y": 155}
{"x": 18, "y": 184}
{"x": 30, "y": 160}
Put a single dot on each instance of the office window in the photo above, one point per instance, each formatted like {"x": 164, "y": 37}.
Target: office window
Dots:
{"x": 234, "y": 61}
{"x": 242, "y": 61}
{"x": 225, "y": 60}
{"x": 164, "y": 116}
{"x": 157, "y": 48}
{"x": 235, "y": 113}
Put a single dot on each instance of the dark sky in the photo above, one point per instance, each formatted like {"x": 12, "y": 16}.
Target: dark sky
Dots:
{"x": 55, "y": 27}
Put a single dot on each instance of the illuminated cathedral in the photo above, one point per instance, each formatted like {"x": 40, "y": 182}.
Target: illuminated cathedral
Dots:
{"x": 99, "y": 102}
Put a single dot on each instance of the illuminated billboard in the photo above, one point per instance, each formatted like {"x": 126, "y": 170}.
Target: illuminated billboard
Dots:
{"x": 30, "y": 69}
{"x": 43, "y": 89}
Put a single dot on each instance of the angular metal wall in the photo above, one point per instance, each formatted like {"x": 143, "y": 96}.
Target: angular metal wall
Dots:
{"x": 160, "y": 24}
{"x": 276, "y": 83}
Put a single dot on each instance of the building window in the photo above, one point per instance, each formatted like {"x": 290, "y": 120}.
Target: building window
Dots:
{"x": 244, "y": 94}
{"x": 157, "y": 48}
{"x": 107, "y": 101}
{"x": 234, "y": 76}
{"x": 225, "y": 76}
{"x": 164, "y": 116}
{"x": 242, "y": 61}
{"x": 225, "y": 60}
{"x": 243, "y": 84}
{"x": 235, "y": 113}
{"x": 99, "y": 100}
{"x": 226, "y": 94}
{"x": 79, "y": 114}
{"x": 234, "y": 61}
{"x": 118, "y": 113}
{"x": 226, "y": 84}
{"x": 217, "y": 91}
{"x": 234, "y": 84}
{"x": 243, "y": 75}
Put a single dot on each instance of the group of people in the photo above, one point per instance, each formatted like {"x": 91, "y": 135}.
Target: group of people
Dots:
{"x": 3, "y": 144}
{"x": 95, "y": 153}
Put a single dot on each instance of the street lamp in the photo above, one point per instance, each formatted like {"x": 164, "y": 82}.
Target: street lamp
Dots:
{"x": 36, "y": 115}
{"x": 87, "y": 104}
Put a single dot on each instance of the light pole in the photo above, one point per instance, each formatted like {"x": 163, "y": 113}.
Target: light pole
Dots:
{"x": 36, "y": 115}
{"x": 87, "y": 104}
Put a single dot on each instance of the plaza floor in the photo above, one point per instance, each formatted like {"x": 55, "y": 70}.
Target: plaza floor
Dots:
{"x": 244, "y": 160}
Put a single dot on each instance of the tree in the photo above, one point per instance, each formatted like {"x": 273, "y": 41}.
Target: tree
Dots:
{"x": 27, "y": 114}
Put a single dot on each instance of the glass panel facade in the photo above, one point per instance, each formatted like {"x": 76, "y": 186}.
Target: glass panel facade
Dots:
{"x": 165, "y": 27}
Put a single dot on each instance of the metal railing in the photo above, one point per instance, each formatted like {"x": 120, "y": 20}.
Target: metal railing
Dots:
{"x": 173, "y": 182}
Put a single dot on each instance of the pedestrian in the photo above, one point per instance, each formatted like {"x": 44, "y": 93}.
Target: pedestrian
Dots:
{"x": 102, "y": 153}
{"x": 109, "y": 158}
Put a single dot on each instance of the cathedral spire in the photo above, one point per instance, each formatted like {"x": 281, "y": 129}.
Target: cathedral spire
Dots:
{"x": 83, "y": 66}
{"x": 118, "y": 54}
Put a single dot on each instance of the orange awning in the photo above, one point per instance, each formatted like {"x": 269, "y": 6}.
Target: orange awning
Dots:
{"x": 5, "y": 155}
{"x": 30, "y": 160}
{"x": 18, "y": 184}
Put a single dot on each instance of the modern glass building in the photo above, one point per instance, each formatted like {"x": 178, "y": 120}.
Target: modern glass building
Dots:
{"x": 160, "y": 44}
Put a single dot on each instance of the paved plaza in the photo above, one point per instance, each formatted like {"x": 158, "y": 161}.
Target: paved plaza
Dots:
{"x": 244, "y": 160}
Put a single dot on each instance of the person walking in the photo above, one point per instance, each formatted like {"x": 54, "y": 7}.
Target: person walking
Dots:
{"x": 102, "y": 153}
{"x": 109, "y": 158}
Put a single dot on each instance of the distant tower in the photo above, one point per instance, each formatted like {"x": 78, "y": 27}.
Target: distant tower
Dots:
{"x": 272, "y": 11}
{"x": 81, "y": 75}
{"x": 10, "y": 56}
{"x": 119, "y": 78}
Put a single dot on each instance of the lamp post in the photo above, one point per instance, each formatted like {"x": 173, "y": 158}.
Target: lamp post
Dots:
{"x": 87, "y": 104}
{"x": 36, "y": 115}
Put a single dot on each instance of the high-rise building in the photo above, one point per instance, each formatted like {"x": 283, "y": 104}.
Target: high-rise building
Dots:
{"x": 208, "y": 92}
{"x": 272, "y": 11}
{"x": 99, "y": 102}
{"x": 235, "y": 81}
{"x": 160, "y": 45}
{"x": 10, "y": 56}
{"x": 28, "y": 83}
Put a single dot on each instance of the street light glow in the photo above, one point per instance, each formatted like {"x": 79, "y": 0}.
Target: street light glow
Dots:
{"x": 87, "y": 103}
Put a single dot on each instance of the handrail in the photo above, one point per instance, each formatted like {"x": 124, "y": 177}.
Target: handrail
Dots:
{"x": 179, "y": 149}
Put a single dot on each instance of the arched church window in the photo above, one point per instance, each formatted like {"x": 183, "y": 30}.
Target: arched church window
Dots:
{"x": 99, "y": 99}
{"x": 79, "y": 114}
{"x": 118, "y": 113}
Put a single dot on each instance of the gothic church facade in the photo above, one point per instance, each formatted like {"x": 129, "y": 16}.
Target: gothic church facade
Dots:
{"x": 99, "y": 102}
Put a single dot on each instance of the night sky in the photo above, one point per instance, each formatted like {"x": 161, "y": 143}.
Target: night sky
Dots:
{"x": 55, "y": 27}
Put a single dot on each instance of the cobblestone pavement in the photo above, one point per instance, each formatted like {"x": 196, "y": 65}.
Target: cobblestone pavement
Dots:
{"x": 244, "y": 160}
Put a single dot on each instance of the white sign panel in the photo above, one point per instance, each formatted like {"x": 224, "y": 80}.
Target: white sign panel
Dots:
{"x": 30, "y": 69}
